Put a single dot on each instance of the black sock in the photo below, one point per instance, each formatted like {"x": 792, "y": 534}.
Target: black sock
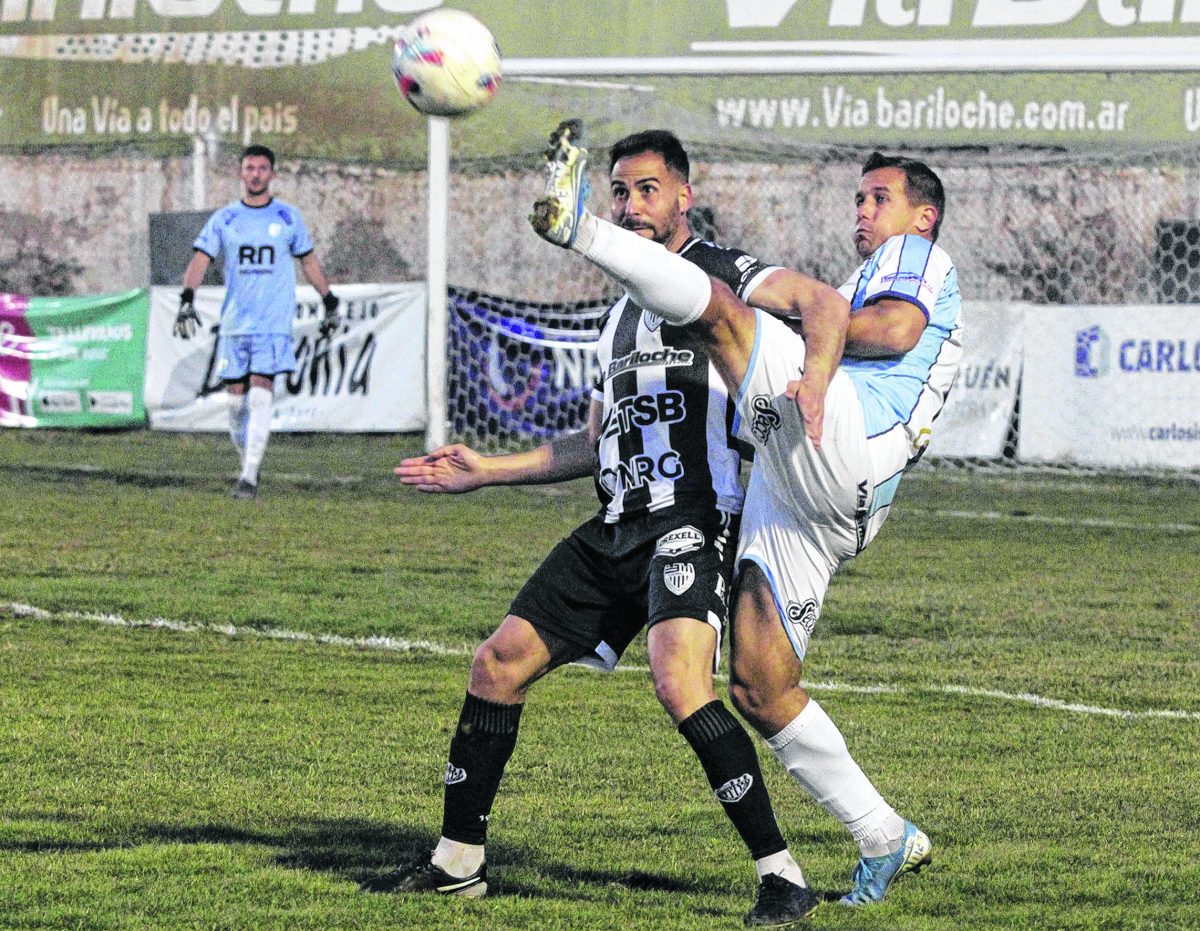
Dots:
{"x": 727, "y": 755}
{"x": 479, "y": 751}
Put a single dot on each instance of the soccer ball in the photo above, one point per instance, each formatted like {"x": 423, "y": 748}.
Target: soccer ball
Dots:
{"x": 446, "y": 63}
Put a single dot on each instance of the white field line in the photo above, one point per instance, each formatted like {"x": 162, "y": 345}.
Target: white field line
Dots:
{"x": 1095, "y": 522}
{"x": 402, "y": 645}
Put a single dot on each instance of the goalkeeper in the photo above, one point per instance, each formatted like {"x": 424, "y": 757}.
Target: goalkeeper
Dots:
{"x": 260, "y": 237}
{"x": 659, "y": 553}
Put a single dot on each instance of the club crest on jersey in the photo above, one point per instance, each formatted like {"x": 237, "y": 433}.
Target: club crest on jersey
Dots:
{"x": 454, "y": 775}
{"x": 735, "y": 789}
{"x": 766, "y": 419}
{"x": 677, "y": 542}
{"x": 803, "y": 614}
{"x": 274, "y": 229}
{"x": 652, "y": 321}
{"x": 679, "y": 576}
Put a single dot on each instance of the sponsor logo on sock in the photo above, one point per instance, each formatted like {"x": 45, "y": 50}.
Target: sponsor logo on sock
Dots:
{"x": 735, "y": 789}
{"x": 679, "y": 576}
{"x": 454, "y": 775}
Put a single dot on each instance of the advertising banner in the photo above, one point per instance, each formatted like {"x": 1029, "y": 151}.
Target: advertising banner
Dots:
{"x": 1112, "y": 386}
{"x": 314, "y": 79}
{"x": 369, "y": 377}
{"x": 520, "y": 373}
{"x": 72, "y": 362}
{"x": 975, "y": 420}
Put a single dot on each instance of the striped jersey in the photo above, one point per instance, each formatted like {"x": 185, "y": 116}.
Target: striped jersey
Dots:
{"x": 259, "y": 244}
{"x": 902, "y": 395}
{"x": 666, "y": 437}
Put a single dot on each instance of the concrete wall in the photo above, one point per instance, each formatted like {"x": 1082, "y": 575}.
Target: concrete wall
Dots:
{"x": 1055, "y": 230}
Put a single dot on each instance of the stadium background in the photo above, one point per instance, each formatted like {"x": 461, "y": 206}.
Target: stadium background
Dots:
{"x": 227, "y": 716}
{"x": 1066, "y": 137}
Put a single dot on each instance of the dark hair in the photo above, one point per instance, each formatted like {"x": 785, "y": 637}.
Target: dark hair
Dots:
{"x": 921, "y": 184}
{"x": 258, "y": 150}
{"x": 659, "y": 141}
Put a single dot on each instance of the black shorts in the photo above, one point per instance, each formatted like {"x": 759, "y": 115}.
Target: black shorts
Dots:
{"x": 603, "y": 584}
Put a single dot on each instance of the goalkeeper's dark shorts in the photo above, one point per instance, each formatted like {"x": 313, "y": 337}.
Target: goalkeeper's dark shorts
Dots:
{"x": 601, "y": 585}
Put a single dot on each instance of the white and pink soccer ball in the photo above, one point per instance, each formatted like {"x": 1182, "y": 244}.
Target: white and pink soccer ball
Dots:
{"x": 446, "y": 63}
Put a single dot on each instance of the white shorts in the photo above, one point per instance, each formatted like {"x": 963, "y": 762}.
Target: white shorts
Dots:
{"x": 807, "y": 511}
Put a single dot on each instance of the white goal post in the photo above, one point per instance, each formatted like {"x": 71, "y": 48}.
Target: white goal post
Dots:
{"x": 437, "y": 321}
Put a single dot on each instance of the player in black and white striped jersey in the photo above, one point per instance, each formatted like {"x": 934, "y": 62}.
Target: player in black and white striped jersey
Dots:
{"x": 658, "y": 554}
{"x": 657, "y": 387}
{"x": 809, "y": 507}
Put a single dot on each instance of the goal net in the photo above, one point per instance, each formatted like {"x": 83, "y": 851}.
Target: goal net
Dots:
{"x": 520, "y": 372}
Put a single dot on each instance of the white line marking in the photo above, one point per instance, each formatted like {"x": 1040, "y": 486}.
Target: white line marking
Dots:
{"x": 1096, "y": 522}
{"x": 402, "y": 645}
{"x": 391, "y": 644}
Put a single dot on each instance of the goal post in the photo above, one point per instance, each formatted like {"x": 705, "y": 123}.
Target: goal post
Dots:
{"x": 436, "y": 277}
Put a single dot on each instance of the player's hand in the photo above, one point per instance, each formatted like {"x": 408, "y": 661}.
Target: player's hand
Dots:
{"x": 808, "y": 393}
{"x": 333, "y": 320}
{"x": 447, "y": 470}
{"x": 187, "y": 321}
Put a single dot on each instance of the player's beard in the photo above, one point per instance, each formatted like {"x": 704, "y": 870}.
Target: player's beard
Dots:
{"x": 662, "y": 236}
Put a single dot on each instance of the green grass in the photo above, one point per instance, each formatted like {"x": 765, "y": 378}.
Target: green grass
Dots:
{"x": 153, "y": 778}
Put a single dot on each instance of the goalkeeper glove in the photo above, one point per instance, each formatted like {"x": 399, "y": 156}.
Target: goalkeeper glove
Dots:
{"x": 333, "y": 319}
{"x": 187, "y": 321}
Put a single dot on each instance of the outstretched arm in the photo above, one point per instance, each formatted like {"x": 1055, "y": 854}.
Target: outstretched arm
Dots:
{"x": 457, "y": 469}
{"x": 824, "y": 316}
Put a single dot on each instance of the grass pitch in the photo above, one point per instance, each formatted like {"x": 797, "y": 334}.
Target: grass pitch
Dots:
{"x": 1015, "y": 662}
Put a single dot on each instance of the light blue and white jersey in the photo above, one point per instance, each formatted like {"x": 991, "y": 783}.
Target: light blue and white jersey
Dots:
{"x": 259, "y": 245}
{"x": 901, "y": 395}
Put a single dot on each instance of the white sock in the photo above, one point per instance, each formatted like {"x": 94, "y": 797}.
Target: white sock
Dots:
{"x": 459, "y": 860}
{"x": 781, "y": 864}
{"x": 238, "y": 412}
{"x": 656, "y": 278}
{"x": 258, "y": 431}
{"x": 814, "y": 752}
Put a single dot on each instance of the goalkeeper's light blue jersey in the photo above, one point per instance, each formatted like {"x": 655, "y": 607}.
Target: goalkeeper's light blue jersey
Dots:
{"x": 259, "y": 245}
{"x": 906, "y": 392}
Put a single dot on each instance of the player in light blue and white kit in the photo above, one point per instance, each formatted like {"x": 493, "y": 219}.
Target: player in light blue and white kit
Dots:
{"x": 830, "y": 448}
{"x": 260, "y": 238}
